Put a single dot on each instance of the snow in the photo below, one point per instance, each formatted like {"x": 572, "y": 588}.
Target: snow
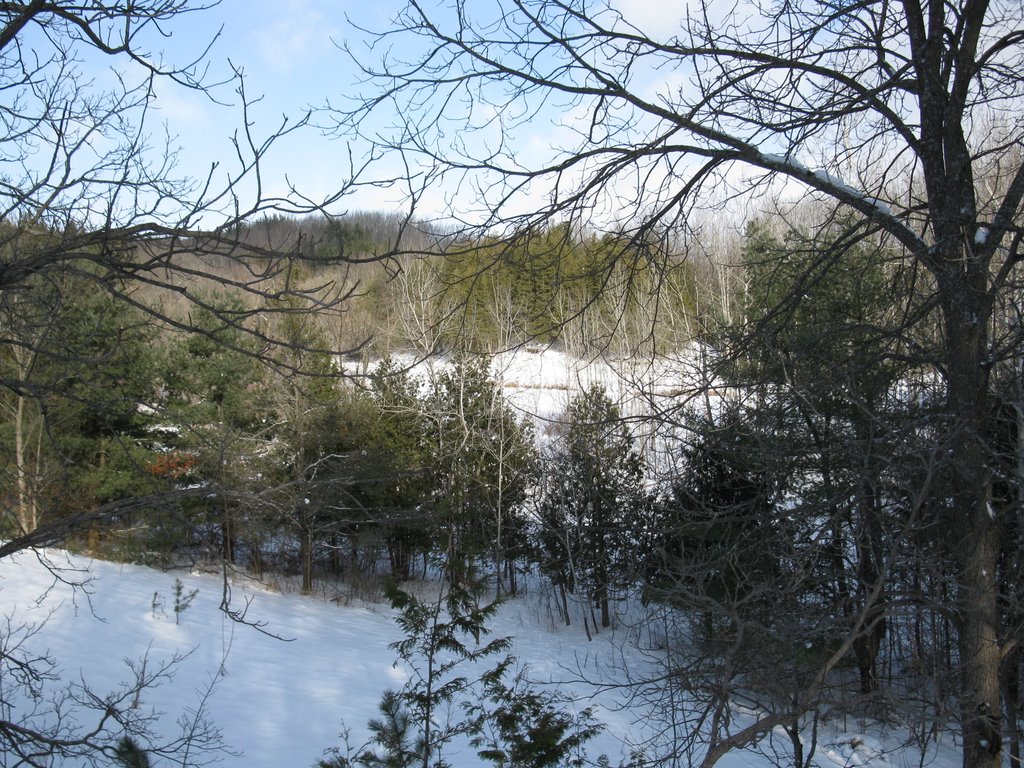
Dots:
{"x": 283, "y": 702}
{"x": 835, "y": 182}
{"x": 539, "y": 383}
{"x": 280, "y": 701}
{"x": 838, "y": 184}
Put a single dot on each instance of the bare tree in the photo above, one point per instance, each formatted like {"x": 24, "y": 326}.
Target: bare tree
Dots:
{"x": 890, "y": 110}
{"x": 92, "y": 201}
{"x": 90, "y": 195}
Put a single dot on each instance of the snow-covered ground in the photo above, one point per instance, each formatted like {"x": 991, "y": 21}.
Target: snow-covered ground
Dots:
{"x": 280, "y": 703}
{"x": 540, "y": 381}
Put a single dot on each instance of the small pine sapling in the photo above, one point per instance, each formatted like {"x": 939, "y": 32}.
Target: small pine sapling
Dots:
{"x": 516, "y": 726}
{"x": 442, "y": 637}
{"x": 182, "y": 599}
{"x": 157, "y": 605}
{"x": 395, "y": 735}
{"x": 511, "y": 726}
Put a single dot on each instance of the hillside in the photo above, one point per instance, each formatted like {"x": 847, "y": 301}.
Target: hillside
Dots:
{"x": 281, "y": 702}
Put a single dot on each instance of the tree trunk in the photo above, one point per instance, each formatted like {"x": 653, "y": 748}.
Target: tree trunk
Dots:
{"x": 306, "y": 555}
{"x": 974, "y": 530}
{"x": 565, "y": 603}
{"x": 600, "y": 598}
{"x": 1010, "y": 577}
{"x": 979, "y": 648}
{"x": 227, "y": 535}
{"x": 869, "y": 573}
{"x": 27, "y": 518}
{"x": 513, "y": 581}
{"x": 793, "y": 731}
{"x": 1011, "y": 702}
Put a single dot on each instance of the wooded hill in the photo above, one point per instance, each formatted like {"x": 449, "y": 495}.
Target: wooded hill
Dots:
{"x": 793, "y": 524}
{"x": 401, "y": 295}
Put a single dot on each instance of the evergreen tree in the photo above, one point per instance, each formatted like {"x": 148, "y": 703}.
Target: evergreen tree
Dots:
{"x": 80, "y": 435}
{"x": 516, "y": 726}
{"x": 305, "y": 411}
{"x": 719, "y": 542}
{"x": 483, "y": 459}
{"x": 399, "y": 439}
{"x": 442, "y": 639}
{"x": 453, "y": 670}
{"x": 210, "y": 373}
{"x": 213, "y": 396}
{"x": 824, "y": 353}
{"x": 592, "y": 502}
{"x": 393, "y": 735}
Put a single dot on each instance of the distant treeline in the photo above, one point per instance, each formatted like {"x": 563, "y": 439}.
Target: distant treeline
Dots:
{"x": 414, "y": 286}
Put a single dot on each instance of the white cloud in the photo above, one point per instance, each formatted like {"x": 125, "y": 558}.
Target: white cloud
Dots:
{"x": 292, "y": 33}
{"x": 654, "y": 17}
{"x": 179, "y": 107}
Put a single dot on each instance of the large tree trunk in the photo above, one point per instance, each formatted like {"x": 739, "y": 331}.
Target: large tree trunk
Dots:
{"x": 1009, "y": 579}
{"x": 973, "y": 527}
{"x": 979, "y": 644}
{"x": 306, "y": 551}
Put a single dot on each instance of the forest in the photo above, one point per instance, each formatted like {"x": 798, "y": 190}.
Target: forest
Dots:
{"x": 783, "y": 514}
{"x": 815, "y": 241}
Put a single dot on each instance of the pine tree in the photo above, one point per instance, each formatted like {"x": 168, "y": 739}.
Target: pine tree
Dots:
{"x": 483, "y": 459}
{"x": 824, "y": 354}
{"x": 516, "y": 726}
{"x": 592, "y": 502}
{"x": 398, "y": 439}
{"x": 453, "y": 670}
{"x": 394, "y": 735}
{"x": 81, "y": 432}
{"x": 718, "y": 541}
{"x": 213, "y": 395}
{"x": 442, "y": 641}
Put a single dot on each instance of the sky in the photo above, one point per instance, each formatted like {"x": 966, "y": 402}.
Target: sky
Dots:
{"x": 290, "y": 53}
{"x": 293, "y": 58}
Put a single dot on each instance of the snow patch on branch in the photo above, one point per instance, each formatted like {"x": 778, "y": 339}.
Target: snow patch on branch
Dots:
{"x": 799, "y": 169}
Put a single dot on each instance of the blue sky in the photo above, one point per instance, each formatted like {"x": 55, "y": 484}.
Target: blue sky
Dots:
{"x": 291, "y": 57}
{"x": 289, "y": 52}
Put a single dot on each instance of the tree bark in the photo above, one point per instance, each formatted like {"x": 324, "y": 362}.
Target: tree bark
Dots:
{"x": 27, "y": 519}
{"x": 973, "y": 527}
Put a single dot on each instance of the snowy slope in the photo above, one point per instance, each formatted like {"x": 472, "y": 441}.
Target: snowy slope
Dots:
{"x": 282, "y": 703}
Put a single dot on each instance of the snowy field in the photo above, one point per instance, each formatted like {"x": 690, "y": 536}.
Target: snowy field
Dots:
{"x": 280, "y": 703}
{"x": 539, "y": 382}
